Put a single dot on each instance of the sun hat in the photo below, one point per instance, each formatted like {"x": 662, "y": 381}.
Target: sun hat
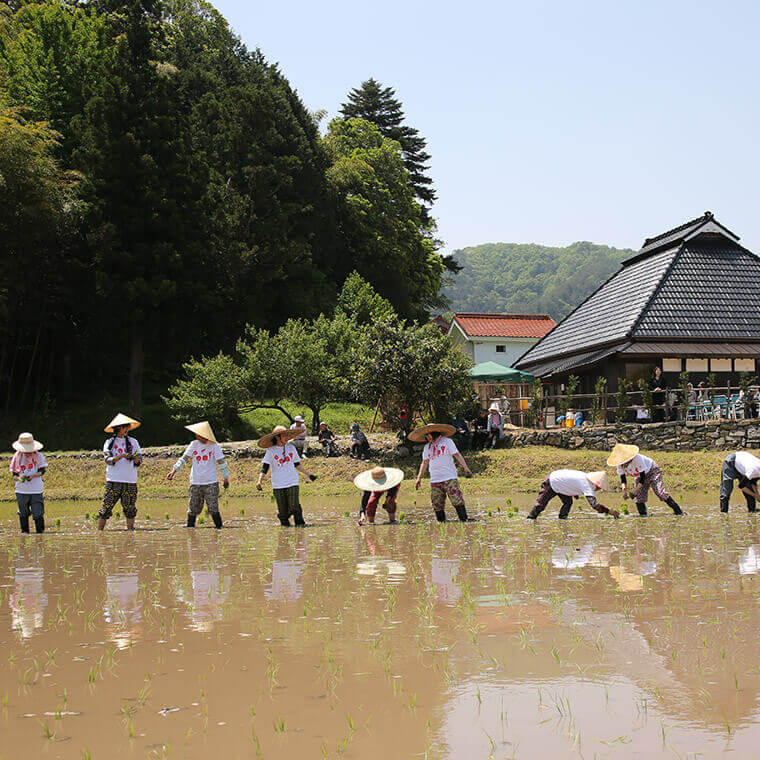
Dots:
{"x": 378, "y": 479}
{"x": 494, "y": 407}
{"x": 266, "y": 441}
{"x": 203, "y": 429}
{"x": 418, "y": 435}
{"x": 599, "y": 479}
{"x": 298, "y": 418}
{"x": 622, "y": 453}
{"x": 119, "y": 420}
{"x": 26, "y": 443}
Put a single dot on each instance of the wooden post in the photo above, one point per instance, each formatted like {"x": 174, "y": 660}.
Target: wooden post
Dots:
{"x": 374, "y": 419}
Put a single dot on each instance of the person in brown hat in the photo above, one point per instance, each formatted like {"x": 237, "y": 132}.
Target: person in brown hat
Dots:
{"x": 373, "y": 484}
{"x": 439, "y": 455}
{"x": 646, "y": 474}
{"x": 285, "y": 464}
{"x": 121, "y": 453}
{"x": 206, "y": 455}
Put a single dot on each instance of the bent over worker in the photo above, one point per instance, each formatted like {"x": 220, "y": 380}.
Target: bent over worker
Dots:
{"x": 570, "y": 484}
{"x": 646, "y": 475}
{"x": 745, "y": 468}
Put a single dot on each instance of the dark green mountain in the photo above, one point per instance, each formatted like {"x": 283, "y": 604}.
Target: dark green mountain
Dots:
{"x": 513, "y": 277}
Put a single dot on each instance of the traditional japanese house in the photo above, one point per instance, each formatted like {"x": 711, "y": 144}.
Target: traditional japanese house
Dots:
{"x": 688, "y": 300}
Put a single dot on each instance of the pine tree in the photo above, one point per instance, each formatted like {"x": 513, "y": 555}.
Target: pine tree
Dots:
{"x": 378, "y": 104}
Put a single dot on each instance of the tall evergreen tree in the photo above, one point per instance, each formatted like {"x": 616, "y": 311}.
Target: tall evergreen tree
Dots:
{"x": 373, "y": 102}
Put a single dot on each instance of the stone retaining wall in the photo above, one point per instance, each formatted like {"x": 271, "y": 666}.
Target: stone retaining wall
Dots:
{"x": 658, "y": 436}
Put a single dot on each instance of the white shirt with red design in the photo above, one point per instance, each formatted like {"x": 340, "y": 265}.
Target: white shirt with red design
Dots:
{"x": 440, "y": 457}
{"x": 204, "y": 457}
{"x": 282, "y": 461}
{"x": 30, "y": 465}
{"x": 638, "y": 465}
{"x": 124, "y": 470}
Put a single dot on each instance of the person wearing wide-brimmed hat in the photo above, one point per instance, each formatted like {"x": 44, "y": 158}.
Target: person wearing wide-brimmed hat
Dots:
{"x": 439, "y": 456}
{"x": 27, "y": 467}
{"x": 569, "y": 485}
{"x": 373, "y": 484}
{"x": 495, "y": 427}
{"x": 646, "y": 474}
{"x": 284, "y": 462}
{"x": 205, "y": 455}
{"x": 121, "y": 453}
{"x": 744, "y": 468}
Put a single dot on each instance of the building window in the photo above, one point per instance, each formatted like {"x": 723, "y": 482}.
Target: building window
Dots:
{"x": 744, "y": 365}
{"x": 720, "y": 365}
{"x": 501, "y": 349}
{"x": 671, "y": 365}
{"x": 696, "y": 365}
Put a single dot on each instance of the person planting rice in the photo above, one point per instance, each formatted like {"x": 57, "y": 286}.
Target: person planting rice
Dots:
{"x": 569, "y": 485}
{"x": 285, "y": 464}
{"x": 121, "y": 453}
{"x": 439, "y": 455}
{"x": 373, "y": 484}
{"x": 646, "y": 475}
{"x": 205, "y": 455}
{"x": 745, "y": 468}
{"x": 27, "y": 467}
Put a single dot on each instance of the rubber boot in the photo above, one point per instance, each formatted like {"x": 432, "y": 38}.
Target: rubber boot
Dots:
{"x": 285, "y": 521}
{"x": 298, "y": 518}
{"x": 24, "y": 522}
{"x": 130, "y": 523}
{"x": 39, "y": 524}
{"x": 191, "y": 520}
{"x": 462, "y": 513}
{"x": 102, "y": 523}
{"x": 671, "y": 502}
{"x": 751, "y": 504}
{"x": 217, "y": 518}
{"x": 642, "y": 507}
{"x": 440, "y": 515}
{"x": 533, "y": 514}
{"x": 723, "y": 504}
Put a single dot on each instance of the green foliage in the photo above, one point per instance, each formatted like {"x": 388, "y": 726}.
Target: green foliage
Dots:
{"x": 571, "y": 388}
{"x": 710, "y": 385}
{"x": 536, "y": 402}
{"x": 373, "y": 102}
{"x": 745, "y": 381}
{"x": 683, "y": 381}
{"x": 412, "y": 369}
{"x": 509, "y": 277}
{"x": 647, "y": 399}
{"x": 359, "y": 301}
{"x": 598, "y": 403}
{"x": 621, "y": 408}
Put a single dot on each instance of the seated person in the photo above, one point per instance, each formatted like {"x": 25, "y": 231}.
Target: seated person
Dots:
{"x": 301, "y": 442}
{"x": 494, "y": 426}
{"x": 359, "y": 443}
{"x": 480, "y": 430}
{"x": 327, "y": 441}
{"x": 462, "y": 435}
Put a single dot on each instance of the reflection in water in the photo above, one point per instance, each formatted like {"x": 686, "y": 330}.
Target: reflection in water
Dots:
{"x": 123, "y": 609}
{"x": 443, "y": 573}
{"x": 28, "y": 600}
{"x": 593, "y": 638}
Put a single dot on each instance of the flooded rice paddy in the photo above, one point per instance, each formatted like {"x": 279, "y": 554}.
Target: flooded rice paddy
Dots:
{"x": 494, "y": 639}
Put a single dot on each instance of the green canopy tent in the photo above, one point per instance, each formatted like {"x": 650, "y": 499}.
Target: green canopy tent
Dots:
{"x": 498, "y": 373}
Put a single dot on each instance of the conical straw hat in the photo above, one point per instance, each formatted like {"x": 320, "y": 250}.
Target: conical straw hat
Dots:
{"x": 379, "y": 479}
{"x": 203, "y": 429}
{"x": 599, "y": 479}
{"x": 266, "y": 441}
{"x": 121, "y": 419}
{"x": 26, "y": 443}
{"x": 622, "y": 453}
{"x": 418, "y": 435}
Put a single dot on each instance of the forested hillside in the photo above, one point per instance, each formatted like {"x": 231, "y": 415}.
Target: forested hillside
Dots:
{"x": 513, "y": 277}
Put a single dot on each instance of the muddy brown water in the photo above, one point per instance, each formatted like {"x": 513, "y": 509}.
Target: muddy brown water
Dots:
{"x": 495, "y": 639}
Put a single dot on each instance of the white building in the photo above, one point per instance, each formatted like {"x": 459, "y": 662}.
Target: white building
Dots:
{"x": 500, "y": 338}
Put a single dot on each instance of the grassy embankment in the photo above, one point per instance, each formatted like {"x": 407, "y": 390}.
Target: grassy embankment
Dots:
{"x": 501, "y": 473}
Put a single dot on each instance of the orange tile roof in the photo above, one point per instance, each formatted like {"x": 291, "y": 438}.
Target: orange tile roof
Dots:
{"x": 475, "y": 324}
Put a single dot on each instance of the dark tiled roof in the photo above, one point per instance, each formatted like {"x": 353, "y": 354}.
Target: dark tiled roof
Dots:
{"x": 676, "y": 234}
{"x": 712, "y": 292}
{"x": 608, "y": 315}
{"x": 565, "y": 364}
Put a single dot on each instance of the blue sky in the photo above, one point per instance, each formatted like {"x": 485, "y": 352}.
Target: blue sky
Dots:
{"x": 547, "y": 122}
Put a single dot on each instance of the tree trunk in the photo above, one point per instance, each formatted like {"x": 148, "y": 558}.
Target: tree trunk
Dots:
{"x": 136, "y": 369}
{"x": 315, "y": 410}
